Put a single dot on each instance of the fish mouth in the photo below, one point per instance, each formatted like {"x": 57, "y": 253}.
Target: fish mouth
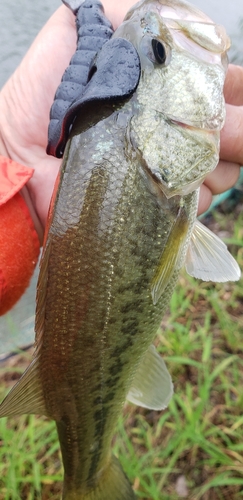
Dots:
{"x": 194, "y": 127}
{"x": 182, "y": 124}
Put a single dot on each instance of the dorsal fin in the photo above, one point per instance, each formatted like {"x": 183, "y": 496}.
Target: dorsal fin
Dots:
{"x": 26, "y": 396}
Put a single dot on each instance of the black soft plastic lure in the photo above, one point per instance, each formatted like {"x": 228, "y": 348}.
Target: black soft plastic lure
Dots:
{"x": 101, "y": 69}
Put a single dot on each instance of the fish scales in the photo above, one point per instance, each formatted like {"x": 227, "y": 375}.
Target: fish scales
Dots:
{"x": 122, "y": 224}
{"x": 106, "y": 303}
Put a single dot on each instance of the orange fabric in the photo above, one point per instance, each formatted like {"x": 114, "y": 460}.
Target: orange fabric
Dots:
{"x": 19, "y": 242}
{"x": 19, "y": 250}
{"x": 13, "y": 177}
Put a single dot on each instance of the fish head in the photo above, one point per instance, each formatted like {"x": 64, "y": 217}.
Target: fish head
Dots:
{"x": 179, "y": 104}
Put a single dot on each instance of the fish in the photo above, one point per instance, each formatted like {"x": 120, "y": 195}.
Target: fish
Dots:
{"x": 143, "y": 132}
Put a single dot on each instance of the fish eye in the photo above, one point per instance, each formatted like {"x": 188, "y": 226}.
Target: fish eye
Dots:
{"x": 159, "y": 51}
{"x": 154, "y": 50}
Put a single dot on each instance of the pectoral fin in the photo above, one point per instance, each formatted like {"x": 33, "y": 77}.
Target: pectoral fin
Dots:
{"x": 26, "y": 396}
{"x": 171, "y": 257}
{"x": 208, "y": 258}
{"x": 152, "y": 385}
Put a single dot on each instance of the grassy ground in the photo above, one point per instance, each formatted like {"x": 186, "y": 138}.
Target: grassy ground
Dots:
{"x": 192, "y": 450}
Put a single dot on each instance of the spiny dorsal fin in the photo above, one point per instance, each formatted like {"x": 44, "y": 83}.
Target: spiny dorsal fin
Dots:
{"x": 26, "y": 396}
{"x": 208, "y": 257}
{"x": 152, "y": 385}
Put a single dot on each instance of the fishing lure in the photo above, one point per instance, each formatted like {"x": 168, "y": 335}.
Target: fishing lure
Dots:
{"x": 93, "y": 73}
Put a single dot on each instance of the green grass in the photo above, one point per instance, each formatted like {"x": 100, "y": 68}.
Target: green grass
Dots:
{"x": 197, "y": 441}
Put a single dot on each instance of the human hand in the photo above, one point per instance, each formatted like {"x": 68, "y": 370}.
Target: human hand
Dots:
{"x": 25, "y": 104}
{"x": 26, "y": 99}
{"x": 227, "y": 171}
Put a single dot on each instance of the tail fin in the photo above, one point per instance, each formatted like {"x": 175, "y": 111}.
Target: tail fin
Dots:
{"x": 111, "y": 485}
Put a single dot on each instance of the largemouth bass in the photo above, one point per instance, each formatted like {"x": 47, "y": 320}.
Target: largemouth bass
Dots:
{"x": 122, "y": 224}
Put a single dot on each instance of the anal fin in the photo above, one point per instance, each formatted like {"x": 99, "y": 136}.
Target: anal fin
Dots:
{"x": 152, "y": 386}
{"x": 26, "y": 396}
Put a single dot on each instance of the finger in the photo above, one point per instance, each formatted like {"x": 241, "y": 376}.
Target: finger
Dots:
{"x": 205, "y": 199}
{"x": 223, "y": 177}
{"x": 41, "y": 185}
{"x": 231, "y": 145}
{"x": 117, "y": 13}
{"x": 233, "y": 87}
